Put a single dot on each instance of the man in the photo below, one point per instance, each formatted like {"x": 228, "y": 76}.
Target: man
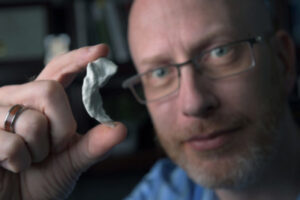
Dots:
{"x": 220, "y": 113}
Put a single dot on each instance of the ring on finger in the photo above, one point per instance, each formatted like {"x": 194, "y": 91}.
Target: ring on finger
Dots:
{"x": 11, "y": 117}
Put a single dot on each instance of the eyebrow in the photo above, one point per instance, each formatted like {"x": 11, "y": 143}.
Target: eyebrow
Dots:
{"x": 153, "y": 61}
{"x": 219, "y": 37}
{"x": 209, "y": 38}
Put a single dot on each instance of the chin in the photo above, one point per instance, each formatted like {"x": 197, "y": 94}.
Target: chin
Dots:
{"x": 236, "y": 166}
{"x": 234, "y": 172}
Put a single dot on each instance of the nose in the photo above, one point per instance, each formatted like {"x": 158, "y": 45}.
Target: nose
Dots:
{"x": 196, "y": 94}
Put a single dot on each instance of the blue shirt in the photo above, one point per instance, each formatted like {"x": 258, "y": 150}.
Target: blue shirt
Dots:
{"x": 166, "y": 181}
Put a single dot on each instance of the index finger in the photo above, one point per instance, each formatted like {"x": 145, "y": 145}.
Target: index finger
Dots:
{"x": 64, "y": 68}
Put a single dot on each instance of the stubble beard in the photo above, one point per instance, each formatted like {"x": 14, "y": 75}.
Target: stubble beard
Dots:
{"x": 231, "y": 167}
{"x": 235, "y": 168}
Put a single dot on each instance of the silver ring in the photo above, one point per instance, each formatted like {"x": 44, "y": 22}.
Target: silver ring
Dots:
{"x": 11, "y": 117}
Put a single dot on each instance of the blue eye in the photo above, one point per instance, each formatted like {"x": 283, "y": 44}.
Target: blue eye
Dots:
{"x": 220, "y": 52}
{"x": 159, "y": 73}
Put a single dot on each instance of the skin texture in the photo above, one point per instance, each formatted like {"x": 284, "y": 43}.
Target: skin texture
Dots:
{"x": 45, "y": 157}
{"x": 251, "y": 109}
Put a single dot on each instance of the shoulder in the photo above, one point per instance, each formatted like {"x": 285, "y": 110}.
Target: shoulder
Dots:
{"x": 164, "y": 181}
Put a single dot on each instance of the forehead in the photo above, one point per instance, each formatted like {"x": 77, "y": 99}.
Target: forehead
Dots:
{"x": 183, "y": 22}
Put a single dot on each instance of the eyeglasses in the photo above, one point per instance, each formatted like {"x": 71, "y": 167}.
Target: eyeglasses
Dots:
{"x": 220, "y": 62}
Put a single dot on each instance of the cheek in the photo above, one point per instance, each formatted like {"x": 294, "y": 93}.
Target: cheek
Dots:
{"x": 244, "y": 93}
{"x": 163, "y": 114}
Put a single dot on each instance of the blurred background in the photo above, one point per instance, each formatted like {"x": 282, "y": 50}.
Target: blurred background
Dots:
{"x": 33, "y": 31}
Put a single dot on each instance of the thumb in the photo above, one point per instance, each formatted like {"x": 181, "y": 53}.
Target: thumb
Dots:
{"x": 93, "y": 145}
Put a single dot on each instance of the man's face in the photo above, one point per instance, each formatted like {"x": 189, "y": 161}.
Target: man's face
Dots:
{"x": 220, "y": 131}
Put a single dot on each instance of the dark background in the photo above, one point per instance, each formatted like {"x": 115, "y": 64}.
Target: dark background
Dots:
{"x": 24, "y": 25}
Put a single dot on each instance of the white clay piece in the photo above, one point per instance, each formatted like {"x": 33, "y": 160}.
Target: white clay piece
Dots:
{"x": 97, "y": 74}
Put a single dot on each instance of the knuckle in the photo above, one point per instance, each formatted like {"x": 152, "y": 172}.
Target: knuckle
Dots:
{"x": 35, "y": 133}
{"x": 17, "y": 159}
{"x": 51, "y": 89}
{"x": 14, "y": 147}
{"x": 82, "y": 51}
{"x": 18, "y": 167}
{"x": 56, "y": 59}
{"x": 35, "y": 125}
{"x": 81, "y": 55}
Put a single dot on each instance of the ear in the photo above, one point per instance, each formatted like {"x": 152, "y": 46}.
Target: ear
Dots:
{"x": 285, "y": 54}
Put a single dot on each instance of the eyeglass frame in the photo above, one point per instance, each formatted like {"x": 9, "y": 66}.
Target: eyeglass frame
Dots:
{"x": 128, "y": 82}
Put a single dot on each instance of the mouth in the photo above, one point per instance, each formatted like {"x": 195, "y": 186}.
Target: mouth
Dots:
{"x": 212, "y": 141}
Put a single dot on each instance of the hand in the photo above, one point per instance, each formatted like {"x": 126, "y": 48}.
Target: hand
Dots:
{"x": 45, "y": 156}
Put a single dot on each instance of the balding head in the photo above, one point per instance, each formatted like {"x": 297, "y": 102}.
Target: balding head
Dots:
{"x": 149, "y": 19}
{"x": 247, "y": 107}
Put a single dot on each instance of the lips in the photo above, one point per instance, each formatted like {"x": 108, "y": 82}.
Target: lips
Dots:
{"x": 211, "y": 141}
